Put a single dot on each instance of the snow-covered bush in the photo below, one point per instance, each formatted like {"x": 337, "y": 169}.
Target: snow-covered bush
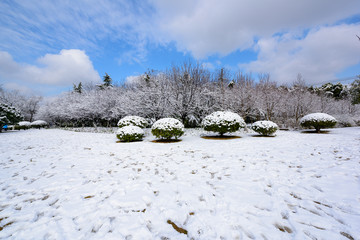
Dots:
{"x": 133, "y": 121}
{"x": 130, "y": 134}
{"x": 223, "y": 122}
{"x": 265, "y": 128}
{"x": 38, "y": 124}
{"x": 318, "y": 121}
{"x": 167, "y": 128}
{"x": 23, "y": 125}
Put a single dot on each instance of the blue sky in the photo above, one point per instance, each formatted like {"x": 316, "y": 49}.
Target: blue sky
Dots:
{"x": 46, "y": 46}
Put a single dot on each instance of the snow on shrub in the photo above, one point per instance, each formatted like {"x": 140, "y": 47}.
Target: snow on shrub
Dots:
{"x": 223, "y": 122}
{"x": 133, "y": 121}
{"x": 167, "y": 128}
{"x": 38, "y": 124}
{"x": 318, "y": 121}
{"x": 23, "y": 125}
{"x": 265, "y": 128}
{"x": 130, "y": 134}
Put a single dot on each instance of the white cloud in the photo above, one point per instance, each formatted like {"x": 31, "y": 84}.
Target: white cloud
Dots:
{"x": 319, "y": 56}
{"x": 45, "y": 26}
{"x": 206, "y": 27}
{"x": 65, "y": 68}
{"x": 199, "y": 27}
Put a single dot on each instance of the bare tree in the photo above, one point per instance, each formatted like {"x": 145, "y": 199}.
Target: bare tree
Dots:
{"x": 187, "y": 86}
{"x": 31, "y": 107}
{"x": 188, "y": 92}
{"x": 268, "y": 94}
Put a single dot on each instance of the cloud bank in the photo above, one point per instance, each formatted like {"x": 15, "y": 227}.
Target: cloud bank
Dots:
{"x": 318, "y": 57}
{"x": 315, "y": 38}
{"x": 206, "y": 27}
{"x": 65, "y": 68}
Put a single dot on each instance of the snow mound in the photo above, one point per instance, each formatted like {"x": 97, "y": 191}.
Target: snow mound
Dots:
{"x": 133, "y": 121}
{"x": 318, "y": 117}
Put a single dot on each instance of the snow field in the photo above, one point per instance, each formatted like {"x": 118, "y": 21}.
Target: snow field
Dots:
{"x": 58, "y": 184}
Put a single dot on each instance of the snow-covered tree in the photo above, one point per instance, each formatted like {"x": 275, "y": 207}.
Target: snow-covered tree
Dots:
{"x": 31, "y": 106}
{"x": 190, "y": 92}
{"x": 107, "y": 82}
{"x": 269, "y": 96}
{"x": 355, "y": 91}
{"x": 243, "y": 99}
{"x": 318, "y": 121}
{"x": 28, "y": 105}
{"x": 77, "y": 88}
{"x": 150, "y": 96}
{"x": 187, "y": 87}
{"x": 9, "y": 115}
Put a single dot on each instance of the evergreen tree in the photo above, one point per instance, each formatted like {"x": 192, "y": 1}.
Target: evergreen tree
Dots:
{"x": 78, "y": 88}
{"x": 8, "y": 115}
{"x": 355, "y": 91}
{"x": 336, "y": 91}
{"x": 107, "y": 82}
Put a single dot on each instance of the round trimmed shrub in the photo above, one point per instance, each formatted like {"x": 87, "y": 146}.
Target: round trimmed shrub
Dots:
{"x": 166, "y": 128}
{"x": 133, "y": 121}
{"x": 38, "y": 124}
{"x": 23, "y": 125}
{"x": 130, "y": 134}
{"x": 265, "y": 128}
{"x": 318, "y": 121}
{"x": 223, "y": 122}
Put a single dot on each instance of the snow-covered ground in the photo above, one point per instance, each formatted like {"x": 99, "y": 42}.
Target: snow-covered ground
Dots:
{"x": 58, "y": 184}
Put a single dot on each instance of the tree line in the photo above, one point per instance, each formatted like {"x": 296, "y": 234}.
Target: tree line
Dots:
{"x": 189, "y": 92}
